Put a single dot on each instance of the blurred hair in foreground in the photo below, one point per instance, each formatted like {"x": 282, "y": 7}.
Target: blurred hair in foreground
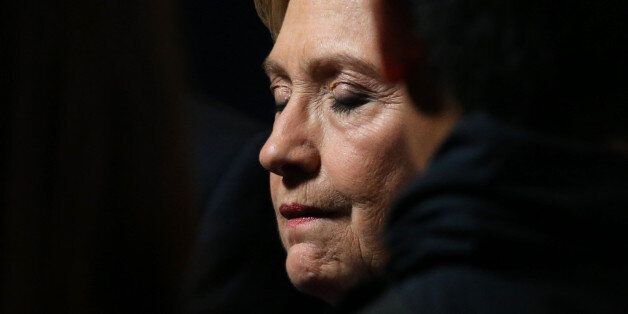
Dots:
{"x": 556, "y": 66}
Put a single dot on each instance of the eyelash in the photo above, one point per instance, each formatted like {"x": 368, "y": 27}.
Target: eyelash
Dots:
{"x": 279, "y": 107}
{"x": 340, "y": 107}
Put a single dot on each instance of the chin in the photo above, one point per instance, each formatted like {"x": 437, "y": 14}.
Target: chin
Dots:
{"x": 312, "y": 272}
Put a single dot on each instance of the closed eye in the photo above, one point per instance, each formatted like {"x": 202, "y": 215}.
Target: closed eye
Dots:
{"x": 347, "y": 97}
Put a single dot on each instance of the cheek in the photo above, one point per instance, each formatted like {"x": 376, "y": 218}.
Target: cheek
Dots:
{"x": 368, "y": 165}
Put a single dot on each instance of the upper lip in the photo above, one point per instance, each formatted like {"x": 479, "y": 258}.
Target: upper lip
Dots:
{"x": 296, "y": 210}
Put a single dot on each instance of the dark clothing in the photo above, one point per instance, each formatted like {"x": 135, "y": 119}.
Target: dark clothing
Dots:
{"x": 216, "y": 135}
{"x": 509, "y": 221}
{"x": 239, "y": 263}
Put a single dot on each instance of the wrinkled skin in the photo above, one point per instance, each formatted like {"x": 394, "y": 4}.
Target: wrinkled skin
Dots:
{"x": 344, "y": 140}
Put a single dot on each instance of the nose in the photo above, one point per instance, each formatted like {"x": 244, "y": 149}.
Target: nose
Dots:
{"x": 290, "y": 151}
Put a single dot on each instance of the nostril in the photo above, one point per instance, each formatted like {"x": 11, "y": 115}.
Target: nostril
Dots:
{"x": 294, "y": 174}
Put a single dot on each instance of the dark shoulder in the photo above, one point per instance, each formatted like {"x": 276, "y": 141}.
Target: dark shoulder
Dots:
{"x": 464, "y": 289}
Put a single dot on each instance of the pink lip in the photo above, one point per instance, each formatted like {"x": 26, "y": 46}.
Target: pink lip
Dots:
{"x": 298, "y": 214}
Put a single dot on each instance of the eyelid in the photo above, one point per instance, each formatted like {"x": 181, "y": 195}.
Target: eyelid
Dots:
{"x": 359, "y": 81}
{"x": 277, "y": 80}
{"x": 353, "y": 88}
{"x": 274, "y": 88}
{"x": 349, "y": 98}
{"x": 338, "y": 83}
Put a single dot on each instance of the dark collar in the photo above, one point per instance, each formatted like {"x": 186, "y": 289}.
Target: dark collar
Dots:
{"x": 496, "y": 195}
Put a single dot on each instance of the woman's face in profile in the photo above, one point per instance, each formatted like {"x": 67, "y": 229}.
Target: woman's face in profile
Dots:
{"x": 344, "y": 142}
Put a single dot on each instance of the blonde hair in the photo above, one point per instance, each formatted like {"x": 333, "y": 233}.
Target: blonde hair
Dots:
{"x": 272, "y": 12}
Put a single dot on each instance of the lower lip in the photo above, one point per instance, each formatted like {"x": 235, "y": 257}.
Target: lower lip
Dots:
{"x": 300, "y": 221}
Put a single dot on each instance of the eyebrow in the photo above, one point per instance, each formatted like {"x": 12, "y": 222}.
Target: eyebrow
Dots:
{"x": 272, "y": 67}
{"x": 326, "y": 64}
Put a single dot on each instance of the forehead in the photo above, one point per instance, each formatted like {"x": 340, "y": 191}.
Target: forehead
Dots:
{"x": 318, "y": 29}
